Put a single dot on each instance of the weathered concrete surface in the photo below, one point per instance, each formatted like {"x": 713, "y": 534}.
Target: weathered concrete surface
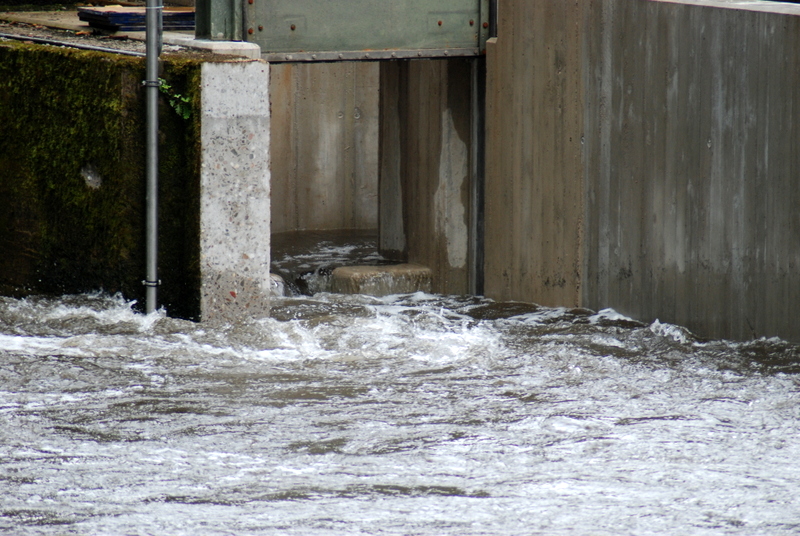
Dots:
{"x": 381, "y": 280}
{"x": 72, "y": 162}
{"x": 647, "y": 151}
{"x": 235, "y": 186}
{"x": 391, "y": 225}
{"x": 693, "y": 166}
{"x": 324, "y": 146}
{"x": 425, "y": 166}
{"x": 534, "y": 171}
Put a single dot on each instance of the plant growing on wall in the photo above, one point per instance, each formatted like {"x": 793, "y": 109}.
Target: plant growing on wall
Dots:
{"x": 180, "y": 103}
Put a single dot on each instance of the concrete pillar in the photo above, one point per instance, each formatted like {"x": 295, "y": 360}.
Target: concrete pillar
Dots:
{"x": 235, "y": 188}
{"x": 426, "y": 167}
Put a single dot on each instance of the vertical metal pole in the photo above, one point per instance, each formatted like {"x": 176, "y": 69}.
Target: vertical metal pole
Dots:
{"x": 152, "y": 50}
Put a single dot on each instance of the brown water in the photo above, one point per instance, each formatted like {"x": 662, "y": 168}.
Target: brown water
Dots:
{"x": 411, "y": 414}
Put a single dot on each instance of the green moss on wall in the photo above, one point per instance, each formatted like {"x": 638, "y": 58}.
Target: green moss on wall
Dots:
{"x": 72, "y": 179}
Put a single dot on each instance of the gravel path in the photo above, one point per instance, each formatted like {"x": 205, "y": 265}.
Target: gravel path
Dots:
{"x": 86, "y": 38}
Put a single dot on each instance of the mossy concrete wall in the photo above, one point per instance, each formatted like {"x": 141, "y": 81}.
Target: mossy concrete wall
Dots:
{"x": 72, "y": 161}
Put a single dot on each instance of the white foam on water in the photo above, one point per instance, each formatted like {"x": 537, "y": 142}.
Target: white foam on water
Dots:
{"x": 396, "y": 414}
{"x": 676, "y": 333}
{"x": 414, "y": 329}
{"x": 608, "y": 315}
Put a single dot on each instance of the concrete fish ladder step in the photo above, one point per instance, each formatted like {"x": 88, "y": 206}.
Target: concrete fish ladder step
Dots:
{"x": 381, "y": 280}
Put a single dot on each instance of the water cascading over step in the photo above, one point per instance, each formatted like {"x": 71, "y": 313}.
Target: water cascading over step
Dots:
{"x": 342, "y": 262}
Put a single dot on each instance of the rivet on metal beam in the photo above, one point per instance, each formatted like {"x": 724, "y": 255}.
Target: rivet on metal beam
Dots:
{"x": 445, "y": 53}
{"x": 260, "y": 28}
{"x": 293, "y": 27}
{"x": 394, "y": 55}
{"x": 471, "y": 22}
{"x": 366, "y": 55}
{"x": 313, "y": 56}
{"x": 250, "y": 31}
{"x": 485, "y": 24}
{"x": 440, "y": 23}
{"x": 341, "y": 56}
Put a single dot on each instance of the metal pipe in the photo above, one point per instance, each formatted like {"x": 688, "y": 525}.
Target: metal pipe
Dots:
{"x": 152, "y": 50}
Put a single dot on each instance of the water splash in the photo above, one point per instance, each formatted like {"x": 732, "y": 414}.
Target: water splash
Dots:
{"x": 402, "y": 414}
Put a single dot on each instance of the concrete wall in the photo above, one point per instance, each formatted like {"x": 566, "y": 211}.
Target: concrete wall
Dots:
{"x": 235, "y": 186}
{"x": 426, "y": 167}
{"x": 72, "y": 166}
{"x": 326, "y": 156}
{"x": 646, "y": 150}
{"x": 324, "y": 146}
{"x": 534, "y": 122}
{"x": 72, "y": 176}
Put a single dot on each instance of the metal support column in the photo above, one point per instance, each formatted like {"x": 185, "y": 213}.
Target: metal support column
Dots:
{"x": 219, "y": 20}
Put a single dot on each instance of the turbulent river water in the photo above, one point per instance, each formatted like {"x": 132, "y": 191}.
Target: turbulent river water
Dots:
{"x": 414, "y": 414}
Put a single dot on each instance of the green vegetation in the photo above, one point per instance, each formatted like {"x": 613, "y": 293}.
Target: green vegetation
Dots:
{"x": 72, "y": 161}
{"x": 180, "y": 103}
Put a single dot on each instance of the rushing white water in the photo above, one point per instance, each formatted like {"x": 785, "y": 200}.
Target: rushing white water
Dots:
{"x": 402, "y": 415}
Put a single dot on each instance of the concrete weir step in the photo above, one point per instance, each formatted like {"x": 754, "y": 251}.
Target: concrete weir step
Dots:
{"x": 381, "y": 280}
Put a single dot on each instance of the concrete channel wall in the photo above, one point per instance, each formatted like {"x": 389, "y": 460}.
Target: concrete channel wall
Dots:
{"x": 72, "y": 175}
{"x": 324, "y": 146}
{"x": 426, "y": 167}
{"x": 335, "y": 127}
{"x": 642, "y": 155}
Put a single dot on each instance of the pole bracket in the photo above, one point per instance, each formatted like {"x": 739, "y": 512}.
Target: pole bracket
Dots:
{"x": 152, "y": 284}
{"x": 151, "y": 83}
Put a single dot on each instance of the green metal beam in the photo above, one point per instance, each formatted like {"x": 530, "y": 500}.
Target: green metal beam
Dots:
{"x": 219, "y": 20}
{"x": 365, "y": 29}
{"x": 297, "y": 30}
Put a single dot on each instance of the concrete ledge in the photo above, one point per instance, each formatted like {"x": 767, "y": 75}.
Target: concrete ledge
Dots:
{"x": 783, "y": 7}
{"x": 187, "y": 39}
{"x": 381, "y": 280}
{"x": 232, "y": 48}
